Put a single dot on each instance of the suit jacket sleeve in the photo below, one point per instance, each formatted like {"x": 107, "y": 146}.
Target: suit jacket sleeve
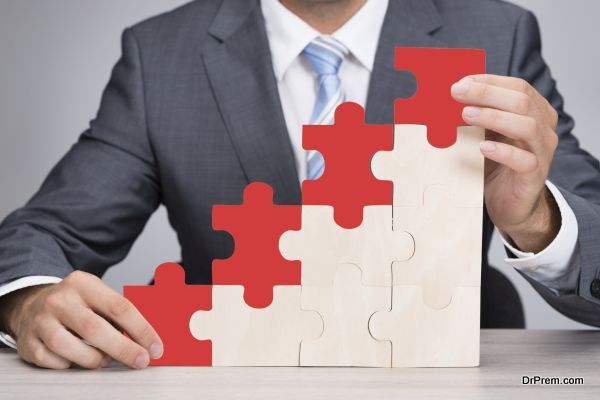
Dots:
{"x": 97, "y": 199}
{"x": 574, "y": 171}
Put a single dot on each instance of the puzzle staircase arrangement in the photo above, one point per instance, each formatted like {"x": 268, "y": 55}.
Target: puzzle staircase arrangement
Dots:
{"x": 379, "y": 266}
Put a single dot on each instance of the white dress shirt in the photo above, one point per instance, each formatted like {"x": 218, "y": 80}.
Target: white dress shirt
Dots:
{"x": 555, "y": 267}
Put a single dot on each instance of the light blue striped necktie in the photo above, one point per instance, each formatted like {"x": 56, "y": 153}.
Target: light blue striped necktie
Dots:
{"x": 325, "y": 55}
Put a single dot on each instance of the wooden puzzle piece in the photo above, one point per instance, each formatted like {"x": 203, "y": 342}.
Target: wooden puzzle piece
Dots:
{"x": 256, "y": 262}
{"x": 347, "y": 183}
{"x": 246, "y": 336}
{"x": 168, "y": 306}
{"x": 436, "y": 70}
{"x": 447, "y": 246}
{"x": 414, "y": 164}
{"x": 424, "y": 337}
{"x": 322, "y": 245}
{"x": 346, "y": 308}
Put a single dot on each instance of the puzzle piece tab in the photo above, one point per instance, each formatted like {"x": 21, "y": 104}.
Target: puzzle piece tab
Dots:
{"x": 414, "y": 165}
{"x": 424, "y": 337}
{"x": 322, "y": 246}
{"x": 448, "y": 247}
{"x": 246, "y": 336}
{"x": 347, "y": 183}
{"x": 346, "y": 308}
{"x": 432, "y": 105}
{"x": 168, "y": 306}
{"x": 256, "y": 262}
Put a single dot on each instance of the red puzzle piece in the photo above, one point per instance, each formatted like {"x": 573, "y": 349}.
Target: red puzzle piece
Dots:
{"x": 347, "y": 183}
{"x": 256, "y": 227}
{"x": 168, "y": 306}
{"x": 432, "y": 105}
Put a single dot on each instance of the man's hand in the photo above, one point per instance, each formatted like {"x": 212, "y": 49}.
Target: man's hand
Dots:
{"x": 520, "y": 144}
{"x": 79, "y": 320}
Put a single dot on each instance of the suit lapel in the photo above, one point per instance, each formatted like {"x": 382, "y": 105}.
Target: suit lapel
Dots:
{"x": 407, "y": 23}
{"x": 240, "y": 71}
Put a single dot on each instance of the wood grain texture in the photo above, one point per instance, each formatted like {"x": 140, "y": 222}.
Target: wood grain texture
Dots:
{"x": 414, "y": 165}
{"x": 506, "y": 355}
{"x": 425, "y": 337}
{"x": 322, "y": 245}
{"x": 447, "y": 247}
{"x": 346, "y": 308}
{"x": 246, "y": 336}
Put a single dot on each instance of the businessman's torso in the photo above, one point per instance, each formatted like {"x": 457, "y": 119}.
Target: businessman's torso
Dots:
{"x": 213, "y": 113}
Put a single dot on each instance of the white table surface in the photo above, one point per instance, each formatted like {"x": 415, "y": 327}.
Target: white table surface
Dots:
{"x": 506, "y": 355}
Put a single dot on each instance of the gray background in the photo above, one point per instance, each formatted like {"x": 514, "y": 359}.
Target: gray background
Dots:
{"x": 56, "y": 57}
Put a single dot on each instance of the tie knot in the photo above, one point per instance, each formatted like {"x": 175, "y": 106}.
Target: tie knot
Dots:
{"x": 325, "y": 55}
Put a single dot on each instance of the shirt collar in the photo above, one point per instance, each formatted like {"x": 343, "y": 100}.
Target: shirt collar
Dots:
{"x": 288, "y": 34}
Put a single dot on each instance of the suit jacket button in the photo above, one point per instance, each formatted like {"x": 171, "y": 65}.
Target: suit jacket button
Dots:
{"x": 595, "y": 288}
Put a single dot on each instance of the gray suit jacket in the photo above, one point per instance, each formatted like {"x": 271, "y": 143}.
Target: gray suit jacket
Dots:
{"x": 191, "y": 115}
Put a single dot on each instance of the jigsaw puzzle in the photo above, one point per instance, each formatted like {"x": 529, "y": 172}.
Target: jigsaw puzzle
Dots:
{"x": 380, "y": 264}
{"x": 432, "y": 105}
{"x": 416, "y": 164}
{"x": 256, "y": 262}
{"x": 438, "y": 269}
{"x": 346, "y": 307}
{"x": 422, "y": 336}
{"x": 168, "y": 306}
{"x": 322, "y": 245}
{"x": 245, "y": 336}
{"x": 348, "y": 185}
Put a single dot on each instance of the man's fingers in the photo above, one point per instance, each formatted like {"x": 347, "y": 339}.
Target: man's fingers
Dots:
{"x": 522, "y": 86}
{"x": 36, "y": 352}
{"x": 66, "y": 345}
{"x": 99, "y": 333}
{"x": 519, "y": 160}
{"x": 117, "y": 309}
{"x": 513, "y": 126}
{"x": 480, "y": 94}
{"x": 507, "y": 82}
